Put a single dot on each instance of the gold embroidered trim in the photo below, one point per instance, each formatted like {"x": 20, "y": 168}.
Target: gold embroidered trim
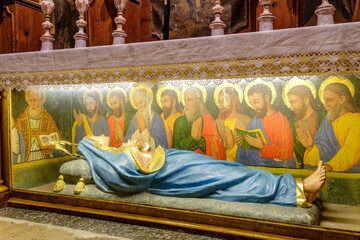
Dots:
{"x": 268, "y": 68}
{"x": 300, "y": 195}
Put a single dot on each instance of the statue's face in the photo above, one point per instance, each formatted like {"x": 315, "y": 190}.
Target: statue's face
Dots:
{"x": 34, "y": 102}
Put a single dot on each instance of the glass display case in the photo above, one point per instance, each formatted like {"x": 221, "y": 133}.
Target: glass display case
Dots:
{"x": 281, "y": 103}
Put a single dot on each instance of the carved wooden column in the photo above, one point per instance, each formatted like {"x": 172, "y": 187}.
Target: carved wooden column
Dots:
{"x": 217, "y": 26}
{"x": 119, "y": 34}
{"x": 4, "y": 141}
{"x": 325, "y": 13}
{"x": 80, "y": 37}
{"x": 266, "y": 18}
{"x": 47, "y": 6}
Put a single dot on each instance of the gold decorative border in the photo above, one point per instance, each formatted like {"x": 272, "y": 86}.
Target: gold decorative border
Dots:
{"x": 236, "y": 70}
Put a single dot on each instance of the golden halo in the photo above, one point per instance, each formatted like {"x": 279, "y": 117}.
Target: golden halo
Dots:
{"x": 35, "y": 90}
{"x": 335, "y": 79}
{"x": 256, "y": 82}
{"x": 93, "y": 90}
{"x": 133, "y": 90}
{"x": 162, "y": 88}
{"x": 113, "y": 90}
{"x": 201, "y": 88}
{"x": 219, "y": 88}
{"x": 295, "y": 81}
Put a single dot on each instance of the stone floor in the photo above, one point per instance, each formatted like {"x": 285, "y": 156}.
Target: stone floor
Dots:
{"x": 15, "y": 223}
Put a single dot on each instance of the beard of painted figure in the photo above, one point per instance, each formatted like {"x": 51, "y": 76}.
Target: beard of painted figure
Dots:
{"x": 333, "y": 113}
{"x": 261, "y": 112}
{"x": 118, "y": 111}
{"x": 91, "y": 112}
{"x": 167, "y": 111}
{"x": 34, "y": 112}
{"x": 191, "y": 113}
{"x": 301, "y": 112}
{"x": 145, "y": 112}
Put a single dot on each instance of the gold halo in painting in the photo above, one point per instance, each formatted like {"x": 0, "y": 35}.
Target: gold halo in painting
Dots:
{"x": 133, "y": 90}
{"x": 295, "y": 81}
{"x": 256, "y": 82}
{"x": 93, "y": 90}
{"x": 35, "y": 90}
{"x": 113, "y": 90}
{"x": 162, "y": 88}
{"x": 201, "y": 88}
{"x": 335, "y": 79}
{"x": 219, "y": 88}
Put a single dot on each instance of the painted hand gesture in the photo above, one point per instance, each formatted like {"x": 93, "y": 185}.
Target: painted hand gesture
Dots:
{"x": 305, "y": 139}
{"x": 78, "y": 117}
{"x": 255, "y": 141}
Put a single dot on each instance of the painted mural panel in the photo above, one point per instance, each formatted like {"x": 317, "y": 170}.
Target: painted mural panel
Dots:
{"x": 287, "y": 124}
{"x": 274, "y": 125}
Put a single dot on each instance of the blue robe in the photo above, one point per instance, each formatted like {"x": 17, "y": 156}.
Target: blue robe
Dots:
{"x": 327, "y": 143}
{"x": 188, "y": 174}
{"x": 98, "y": 128}
{"x": 157, "y": 130}
{"x": 250, "y": 157}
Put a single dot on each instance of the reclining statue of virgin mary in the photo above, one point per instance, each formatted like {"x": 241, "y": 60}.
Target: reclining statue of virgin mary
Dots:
{"x": 132, "y": 169}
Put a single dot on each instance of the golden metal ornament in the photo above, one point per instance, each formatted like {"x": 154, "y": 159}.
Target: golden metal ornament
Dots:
{"x": 219, "y": 88}
{"x": 201, "y": 88}
{"x": 335, "y": 79}
{"x": 256, "y": 82}
{"x": 60, "y": 184}
{"x": 295, "y": 81}
{"x": 133, "y": 90}
{"x": 164, "y": 87}
{"x": 113, "y": 90}
{"x": 80, "y": 186}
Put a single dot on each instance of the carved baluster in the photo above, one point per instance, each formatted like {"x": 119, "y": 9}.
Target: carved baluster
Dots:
{"x": 47, "y": 6}
{"x": 217, "y": 26}
{"x": 325, "y": 13}
{"x": 80, "y": 37}
{"x": 266, "y": 18}
{"x": 119, "y": 34}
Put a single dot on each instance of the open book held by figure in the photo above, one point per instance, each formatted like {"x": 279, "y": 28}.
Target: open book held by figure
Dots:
{"x": 252, "y": 133}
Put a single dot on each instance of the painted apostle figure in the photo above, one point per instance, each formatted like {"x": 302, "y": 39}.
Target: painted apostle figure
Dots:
{"x": 119, "y": 120}
{"x": 231, "y": 116}
{"x": 93, "y": 123}
{"x": 273, "y": 144}
{"x": 169, "y": 103}
{"x": 337, "y": 140}
{"x": 146, "y": 125}
{"x": 196, "y": 129}
{"x": 307, "y": 119}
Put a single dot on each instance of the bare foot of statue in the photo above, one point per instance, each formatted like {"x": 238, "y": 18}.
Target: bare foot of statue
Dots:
{"x": 314, "y": 183}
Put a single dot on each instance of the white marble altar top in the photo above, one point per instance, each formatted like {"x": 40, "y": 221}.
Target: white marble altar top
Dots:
{"x": 337, "y": 37}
